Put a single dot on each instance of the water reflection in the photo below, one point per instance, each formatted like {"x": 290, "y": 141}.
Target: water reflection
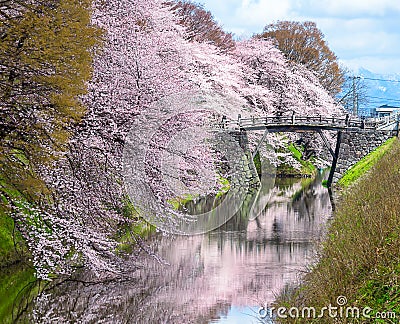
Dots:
{"x": 219, "y": 277}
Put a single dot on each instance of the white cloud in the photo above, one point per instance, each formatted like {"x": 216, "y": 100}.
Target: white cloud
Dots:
{"x": 351, "y": 8}
{"x": 256, "y": 13}
{"x": 360, "y": 36}
{"x": 383, "y": 89}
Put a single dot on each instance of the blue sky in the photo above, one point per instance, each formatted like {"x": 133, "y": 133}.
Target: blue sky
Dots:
{"x": 362, "y": 33}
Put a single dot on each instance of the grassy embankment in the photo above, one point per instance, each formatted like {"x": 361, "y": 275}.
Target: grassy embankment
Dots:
{"x": 359, "y": 258}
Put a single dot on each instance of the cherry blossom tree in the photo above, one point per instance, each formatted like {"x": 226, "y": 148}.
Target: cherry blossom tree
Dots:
{"x": 293, "y": 88}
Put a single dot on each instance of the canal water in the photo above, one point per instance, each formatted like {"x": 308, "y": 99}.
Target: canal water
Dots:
{"x": 220, "y": 277}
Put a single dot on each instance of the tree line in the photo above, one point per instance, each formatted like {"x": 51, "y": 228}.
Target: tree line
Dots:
{"x": 76, "y": 76}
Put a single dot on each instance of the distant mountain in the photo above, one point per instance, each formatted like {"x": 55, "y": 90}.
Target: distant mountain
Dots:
{"x": 379, "y": 91}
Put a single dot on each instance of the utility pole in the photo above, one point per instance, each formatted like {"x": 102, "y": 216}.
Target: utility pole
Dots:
{"x": 354, "y": 97}
{"x": 357, "y": 108}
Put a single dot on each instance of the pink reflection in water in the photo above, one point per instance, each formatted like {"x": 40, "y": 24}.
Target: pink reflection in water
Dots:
{"x": 247, "y": 263}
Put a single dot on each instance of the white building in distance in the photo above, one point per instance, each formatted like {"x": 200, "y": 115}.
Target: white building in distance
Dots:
{"x": 385, "y": 110}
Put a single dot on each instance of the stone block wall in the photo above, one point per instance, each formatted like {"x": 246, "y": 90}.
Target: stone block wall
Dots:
{"x": 247, "y": 167}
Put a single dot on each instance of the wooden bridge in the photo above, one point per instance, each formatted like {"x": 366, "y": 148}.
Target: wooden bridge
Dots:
{"x": 294, "y": 123}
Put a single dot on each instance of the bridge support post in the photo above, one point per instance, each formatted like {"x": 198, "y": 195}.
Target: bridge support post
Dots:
{"x": 335, "y": 158}
{"x": 253, "y": 155}
{"x": 328, "y": 146}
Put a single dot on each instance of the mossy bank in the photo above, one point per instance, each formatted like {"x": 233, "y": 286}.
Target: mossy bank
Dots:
{"x": 306, "y": 167}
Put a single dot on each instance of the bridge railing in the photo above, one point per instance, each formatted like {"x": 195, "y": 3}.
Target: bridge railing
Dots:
{"x": 271, "y": 121}
{"x": 388, "y": 120}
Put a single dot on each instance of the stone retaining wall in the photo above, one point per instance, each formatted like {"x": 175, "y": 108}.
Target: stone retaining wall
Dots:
{"x": 355, "y": 145}
{"x": 248, "y": 169}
